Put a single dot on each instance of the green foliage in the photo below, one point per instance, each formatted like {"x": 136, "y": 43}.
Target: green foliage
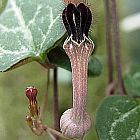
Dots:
{"x": 28, "y": 28}
{"x": 95, "y": 67}
{"x": 132, "y": 82}
{"x": 118, "y": 118}
{"x": 2, "y": 5}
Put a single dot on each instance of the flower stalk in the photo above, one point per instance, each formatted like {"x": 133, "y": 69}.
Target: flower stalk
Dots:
{"x": 117, "y": 45}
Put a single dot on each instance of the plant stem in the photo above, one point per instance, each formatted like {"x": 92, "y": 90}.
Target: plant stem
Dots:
{"x": 109, "y": 44}
{"x": 54, "y": 132}
{"x": 44, "y": 103}
{"x": 117, "y": 49}
{"x": 55, "y": 102}
{"x": 108, "y": 41}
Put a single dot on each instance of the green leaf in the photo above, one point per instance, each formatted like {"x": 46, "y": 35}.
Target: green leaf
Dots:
{"x": 132, "y": 83}
{"x": 28, "y": 29}
{"x": 2, "y": 5}
{"x": 118, "y": 118}
{"x": 94, "y": 67}
{"x": 58, "y": 57}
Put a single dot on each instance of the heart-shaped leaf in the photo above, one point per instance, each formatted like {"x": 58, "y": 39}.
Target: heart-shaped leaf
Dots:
{"x": 118, "y": 118}
{"x": 28, "y": 28}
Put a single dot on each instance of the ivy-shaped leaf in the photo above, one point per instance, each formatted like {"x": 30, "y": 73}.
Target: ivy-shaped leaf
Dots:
{"x": 118, "y": 118}
{"x": 28, "y": 29}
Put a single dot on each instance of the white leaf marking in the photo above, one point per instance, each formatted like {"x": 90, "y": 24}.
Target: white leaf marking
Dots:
{"x": 119, "y": 120}
{"x": 21, "y": 22}
{"x": 52, "y": 21}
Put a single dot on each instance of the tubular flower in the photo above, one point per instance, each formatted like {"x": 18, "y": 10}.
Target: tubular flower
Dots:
{"x": 75, "y": 122}
{"x": 31, "y": 93}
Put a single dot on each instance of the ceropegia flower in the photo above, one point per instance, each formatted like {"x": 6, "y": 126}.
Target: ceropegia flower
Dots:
{"x": 75, "y": 122}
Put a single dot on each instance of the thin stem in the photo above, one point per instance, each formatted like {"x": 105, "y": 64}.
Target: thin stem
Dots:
{"x": 40, "y": 128}
{"x": 54, "y": 132}
{"x": 55, "y": 103}
{"x": 108, "y": 41}
{"x": 109, "y": 45}
{"x": 44, "y": 103}
{"x": 117, "y": 48}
